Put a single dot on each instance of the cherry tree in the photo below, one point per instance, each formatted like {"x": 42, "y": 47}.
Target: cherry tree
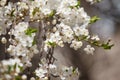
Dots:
{"x": 59, "y": 22}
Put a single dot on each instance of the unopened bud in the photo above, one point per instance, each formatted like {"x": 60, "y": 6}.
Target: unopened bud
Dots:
{"x": 4, "y": 40}
{"x": 54, "y": 22}
{"x": 32, "y": 78}
{"x": 24, "y": 77}
{"x": 54, "y": 29}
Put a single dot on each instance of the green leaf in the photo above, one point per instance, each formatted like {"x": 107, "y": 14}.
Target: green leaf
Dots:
{"x": 21, "y": 68}
{"x": 52, "y": 13}
{"x": 34, "y": 42}
{"x": 18, "y": 78}
{"x": 94, "y": 19}
{"x": 12, "y": 13}
{"x": 14, "y": 67}
{"x": 107, "y": 45}
{"x": 96, "y": 43}
{"x": 79, "y": 38}
{"x": 77, "y": 5}
{"x": 9, "y": 69}
{"x": 35, "y": 10}
{"x": 53, "y": 44}
{"x": 29, "y": 31}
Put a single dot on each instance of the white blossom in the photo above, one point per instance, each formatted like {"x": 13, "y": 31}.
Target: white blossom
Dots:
{"x": 60, "y": 22}
{"x": 76, "y": 44}
{"x": 32, "y": 78}
{"x": 89, "y": 49}
{"x": 22, "y": 6}
{"x": 8, "y": 77}
{"x": 3, "y": 2}
{"x": 95, "y": 37}
{"x": 4, "y": 40}
{"x": 40, "y": 72}
{"x": 24, "y": 77}
{"x": 79, "y": 31}
{"x": 12, "y": 62}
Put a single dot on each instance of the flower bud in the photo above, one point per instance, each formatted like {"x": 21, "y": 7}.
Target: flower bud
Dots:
{"x": 54, "y": 22}
{"x": 4, "y": 40}
{"x": 32, "y": 78}
{"x": 24, "y": 77}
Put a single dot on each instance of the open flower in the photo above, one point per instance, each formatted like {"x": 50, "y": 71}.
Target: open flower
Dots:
{"x": 89, "y": 49}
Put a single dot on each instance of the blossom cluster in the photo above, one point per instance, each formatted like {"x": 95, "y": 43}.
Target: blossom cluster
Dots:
{"x": 60, "y": 22}
{"x": 64, "y": 73}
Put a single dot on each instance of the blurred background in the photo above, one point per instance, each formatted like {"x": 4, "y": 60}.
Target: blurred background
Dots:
{"x": 104, "y": 64}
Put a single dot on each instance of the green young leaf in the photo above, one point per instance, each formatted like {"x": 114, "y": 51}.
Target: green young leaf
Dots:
{"x": 107, "y": 45}
{"x": 12, "y": 13}
{"x": 18, "y": 78}
{"x": 77, "y": 5}
{"x": 35, "y": 10}
{"x": 29, "y": 31}
{"x": 34, "y": 42}
{"x": 94, "y": 19}
{"x": 21, "y": 68}
{"x": 52, "y": 13}
{"x": 14, "y": 67}
{"x": 53, "y": 44}
{"x": 9, "y": 69}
